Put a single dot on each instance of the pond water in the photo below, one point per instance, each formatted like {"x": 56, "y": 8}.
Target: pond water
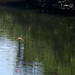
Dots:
{"x": 47, "y": 47}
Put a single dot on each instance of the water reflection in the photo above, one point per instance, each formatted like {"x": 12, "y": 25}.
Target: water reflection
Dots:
{"x": 48, "y": 46}
{"x": 8, "y": 53}
{"x": 34, "y": 68}
{"x": 26, "y": 68}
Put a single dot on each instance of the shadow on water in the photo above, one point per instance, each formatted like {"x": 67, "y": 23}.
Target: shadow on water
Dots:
{"x": 19, "y": 4}
{"x": 28, "y": 5}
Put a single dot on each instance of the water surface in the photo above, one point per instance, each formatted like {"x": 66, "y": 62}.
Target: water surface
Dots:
{"x": 47, "y": 47}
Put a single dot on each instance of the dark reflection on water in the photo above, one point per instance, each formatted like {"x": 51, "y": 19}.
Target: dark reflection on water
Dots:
{"x": 26, "y": 68}
{"x": 47, "y": 47}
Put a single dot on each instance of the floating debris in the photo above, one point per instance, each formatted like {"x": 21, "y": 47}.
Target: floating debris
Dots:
{"x": 19, "y": 38}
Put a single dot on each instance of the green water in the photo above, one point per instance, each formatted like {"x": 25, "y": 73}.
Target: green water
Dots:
{"x": 48, "y": 41}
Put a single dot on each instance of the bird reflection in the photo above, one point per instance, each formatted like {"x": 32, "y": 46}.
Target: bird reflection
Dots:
{"x": 20, "y": 54}
{"x": 26, "y": 67}
{"x": 20, "y": 48}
